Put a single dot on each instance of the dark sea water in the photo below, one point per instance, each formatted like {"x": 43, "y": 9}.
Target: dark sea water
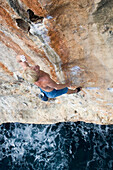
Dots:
{"x": 63, "y": 146}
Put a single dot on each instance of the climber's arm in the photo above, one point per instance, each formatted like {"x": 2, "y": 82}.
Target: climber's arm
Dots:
{"x": 22, "y": 61}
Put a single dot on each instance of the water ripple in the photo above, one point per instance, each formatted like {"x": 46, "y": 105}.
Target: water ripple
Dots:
{"x": 64, "y": 146}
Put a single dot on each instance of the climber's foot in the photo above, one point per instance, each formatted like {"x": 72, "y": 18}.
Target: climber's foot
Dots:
{"x": 78, "y": 89}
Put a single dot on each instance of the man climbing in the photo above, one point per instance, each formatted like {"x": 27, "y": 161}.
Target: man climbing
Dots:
{"x": 48, "y": 87}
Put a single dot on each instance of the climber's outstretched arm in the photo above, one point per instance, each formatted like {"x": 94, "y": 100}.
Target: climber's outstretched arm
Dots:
{"x": 21, "y": 59}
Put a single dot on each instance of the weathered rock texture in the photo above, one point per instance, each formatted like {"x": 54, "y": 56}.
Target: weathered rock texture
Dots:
{"x": 73, "y": 43}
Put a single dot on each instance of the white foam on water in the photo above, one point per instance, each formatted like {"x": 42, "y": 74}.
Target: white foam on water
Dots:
{"x": 53, "y": 145}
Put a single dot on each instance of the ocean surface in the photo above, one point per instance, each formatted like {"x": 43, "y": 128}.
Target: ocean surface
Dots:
{"x": 62, "y": 146}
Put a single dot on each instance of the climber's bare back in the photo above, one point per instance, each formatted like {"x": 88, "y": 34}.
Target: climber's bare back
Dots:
{"x": 44, "y": 81}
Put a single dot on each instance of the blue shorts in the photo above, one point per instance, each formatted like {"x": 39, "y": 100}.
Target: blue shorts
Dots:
{"x": 55, "y": 93}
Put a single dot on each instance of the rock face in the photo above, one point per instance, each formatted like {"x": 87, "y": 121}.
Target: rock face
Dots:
{"x": 71, "y": 40}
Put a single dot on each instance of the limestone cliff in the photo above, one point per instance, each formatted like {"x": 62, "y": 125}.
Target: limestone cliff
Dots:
{"x": 71, "y": 40}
